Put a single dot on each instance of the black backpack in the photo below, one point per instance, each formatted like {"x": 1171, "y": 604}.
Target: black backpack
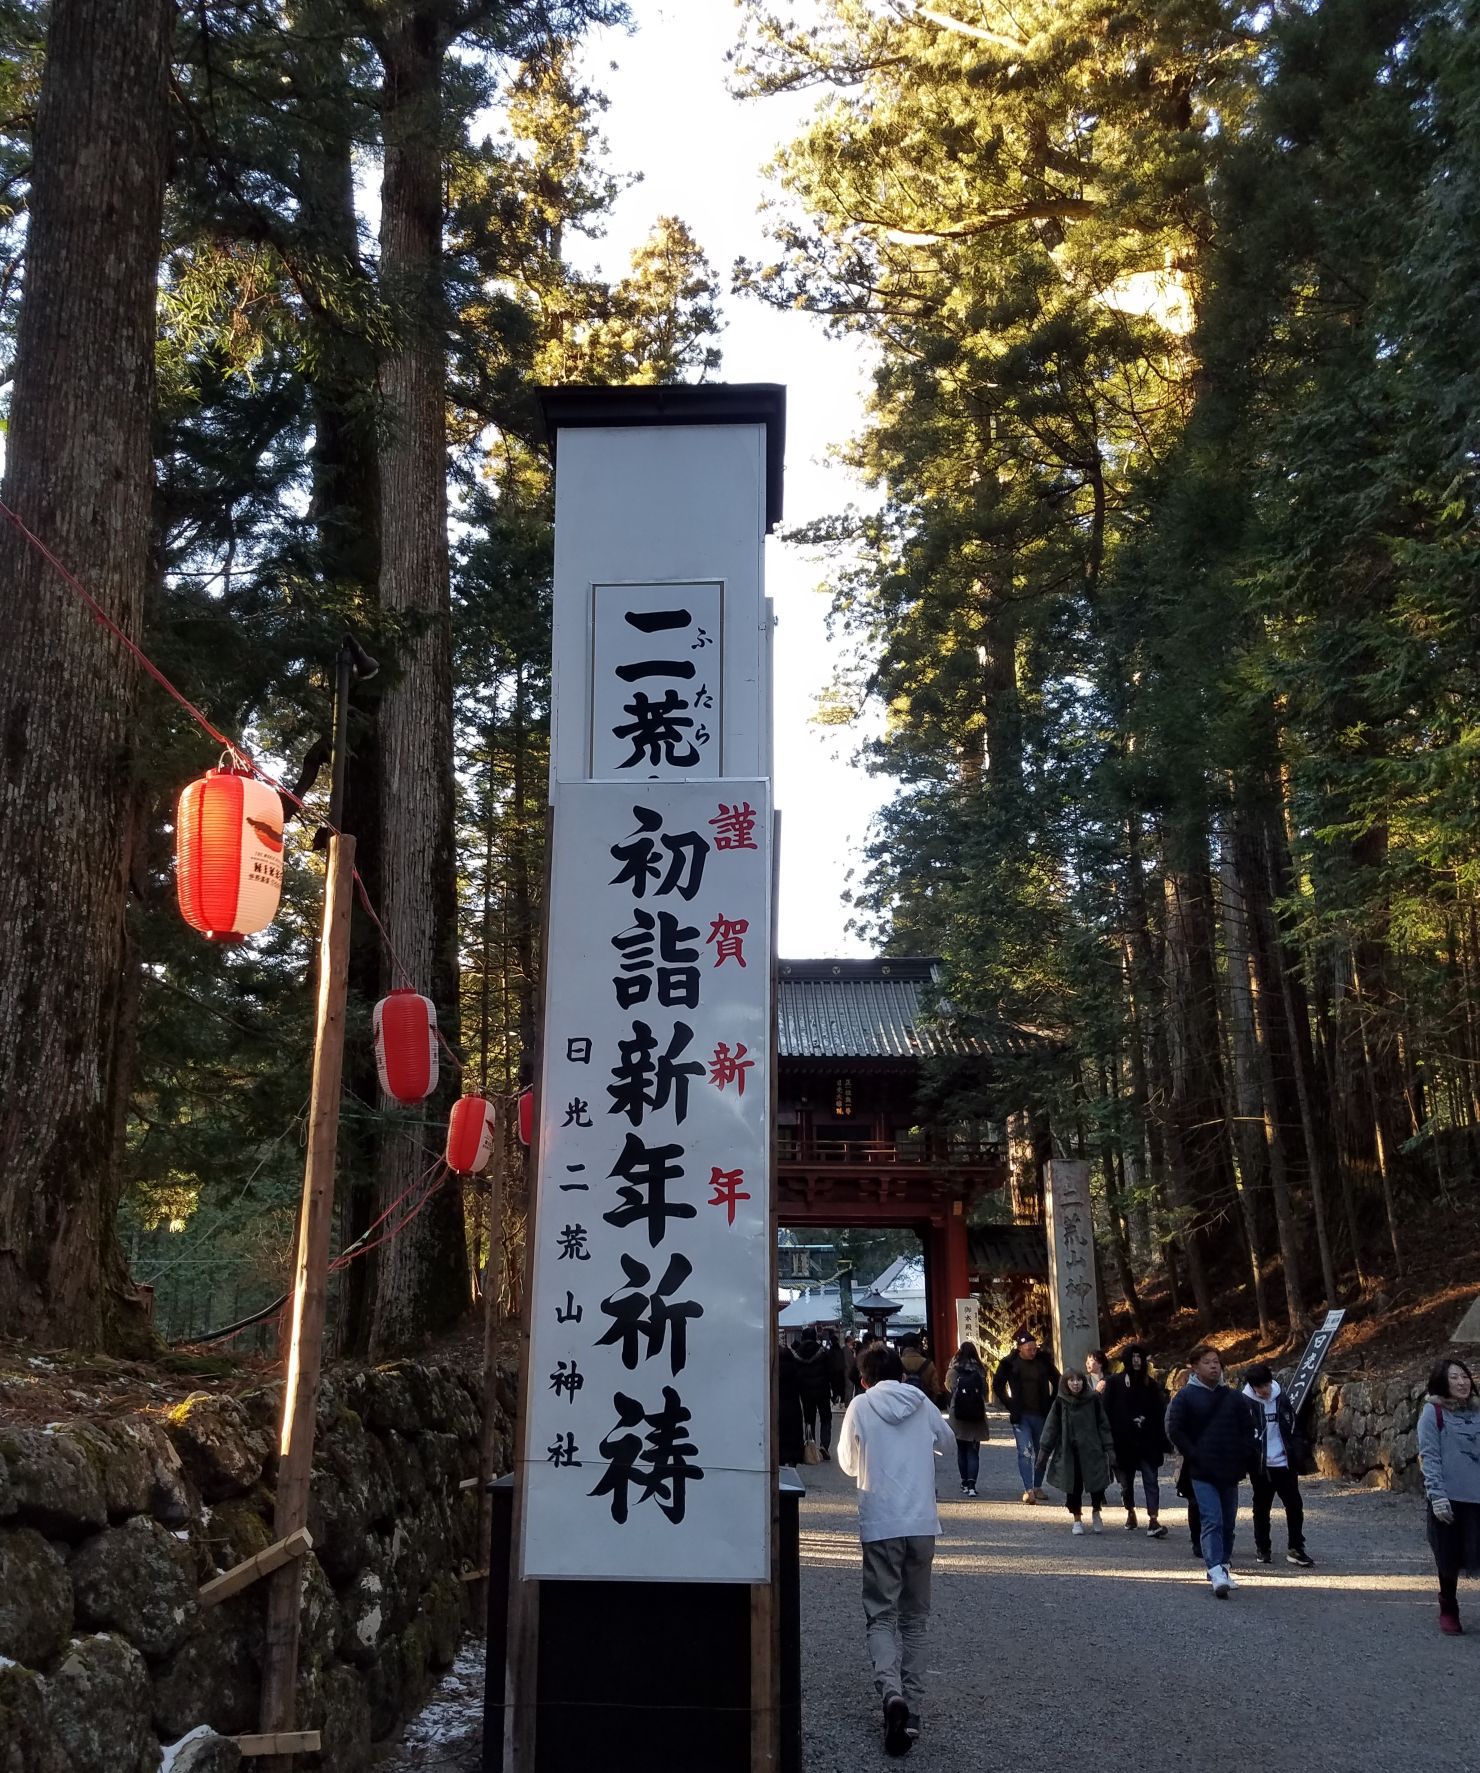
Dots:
{"x": 969, "y": 1399}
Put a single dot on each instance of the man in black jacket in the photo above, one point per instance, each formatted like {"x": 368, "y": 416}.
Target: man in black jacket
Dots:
{"x": 1025, "y": 1384}
{"x": 814, "y": 1382}
{"x": 1217, "y": 1433}
{"x": 1284, "y": 1455}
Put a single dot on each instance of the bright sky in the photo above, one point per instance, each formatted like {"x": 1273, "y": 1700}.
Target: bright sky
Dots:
{"x": 700, "y": 153}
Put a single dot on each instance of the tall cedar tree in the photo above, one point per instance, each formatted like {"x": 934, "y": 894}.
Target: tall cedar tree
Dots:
{"x": 79, "y": 472}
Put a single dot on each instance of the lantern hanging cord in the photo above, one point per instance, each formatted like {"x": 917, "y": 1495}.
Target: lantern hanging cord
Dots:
{"x": 113, "y": 628}
{"x": 243, "y": 760}
{"x": 351, "y": 1252}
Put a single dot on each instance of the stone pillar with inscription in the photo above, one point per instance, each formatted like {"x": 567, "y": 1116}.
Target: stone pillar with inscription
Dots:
{"x": 1071, "y": 1261}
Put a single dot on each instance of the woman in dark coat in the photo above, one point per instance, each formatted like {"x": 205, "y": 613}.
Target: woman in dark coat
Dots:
{"x": 1076, "y": 1442}
{"x": 1137, "y": 1408}
{"x": 790, "y": 1442}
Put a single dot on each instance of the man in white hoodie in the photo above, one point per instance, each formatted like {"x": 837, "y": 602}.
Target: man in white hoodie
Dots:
{"x": 890, "y": 1440}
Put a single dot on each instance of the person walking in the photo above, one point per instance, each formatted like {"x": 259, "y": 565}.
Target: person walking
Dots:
{"x": 966, "y": 1382}
{"x": 1079, "y": 1450}
{"x": 1449, "y": 1452}
{"x": 1137, "y": 1406}
{"x": 814, "y": 1381}
{"x": 891, "y": 1436}
{"x": 1097, "y": 1370}
{"x": 790, "y": 1438}
{"x": 1217, "y": 1433}
{"x": 1284, "y": 1456}
{"x": 851, "y": 1385}
{"x": 919, "y": 1369}
{"x": 1025, "y": 1385}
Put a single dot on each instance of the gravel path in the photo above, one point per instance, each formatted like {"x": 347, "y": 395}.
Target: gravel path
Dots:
{"x": 1050, "y": 1653}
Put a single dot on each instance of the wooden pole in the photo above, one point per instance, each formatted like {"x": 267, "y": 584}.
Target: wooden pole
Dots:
{"x": 310, "y": 1295}
{"x": 490, "y": 1341}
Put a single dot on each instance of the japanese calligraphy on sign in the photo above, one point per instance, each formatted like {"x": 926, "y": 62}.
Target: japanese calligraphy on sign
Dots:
{"x": 1071, "y": 1261}
{"x": 656, "y": 682}
{"x": 649, "y": 1402}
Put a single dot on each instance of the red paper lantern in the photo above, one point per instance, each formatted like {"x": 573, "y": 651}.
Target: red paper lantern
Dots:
{"x": 405, "y": 1028}
{"x": 229, "y": 855}
{"x": 526, "y": 1116}
{"x": 470, "y": 1135}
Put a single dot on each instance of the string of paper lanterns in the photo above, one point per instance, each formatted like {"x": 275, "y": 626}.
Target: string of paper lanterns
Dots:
{"x": 229, "y": 879}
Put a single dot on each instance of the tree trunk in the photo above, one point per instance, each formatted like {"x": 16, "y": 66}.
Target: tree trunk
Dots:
{"x": 345, "y": 510}
{"x": 1251, "y": 861}
{"x": 422, "y": 1283}
{"x": 79, "y": 473}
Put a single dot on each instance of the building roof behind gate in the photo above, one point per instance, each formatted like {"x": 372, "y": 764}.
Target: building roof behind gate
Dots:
{"x": 881, "y": 1009}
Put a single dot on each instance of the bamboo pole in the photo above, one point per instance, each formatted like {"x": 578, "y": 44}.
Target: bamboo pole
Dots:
{"x": 310, "y": 1296}
{"x": 490, "y": 1345}
{"x": 243, "y": 1575}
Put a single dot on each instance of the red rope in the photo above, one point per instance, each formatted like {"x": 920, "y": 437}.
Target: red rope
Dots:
{"x": 221, "y": 739}
{"x": 114, "y": 629}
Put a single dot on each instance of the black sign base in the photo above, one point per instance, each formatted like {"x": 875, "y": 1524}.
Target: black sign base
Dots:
{"x": 637, "y": 1676}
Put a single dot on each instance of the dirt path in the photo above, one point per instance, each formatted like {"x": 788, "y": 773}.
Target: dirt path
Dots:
{"x": 1050, "y": 1653}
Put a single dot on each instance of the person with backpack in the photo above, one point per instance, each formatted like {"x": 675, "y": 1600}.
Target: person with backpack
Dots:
{"x": 919, "y": 1369}
{"x": 966, "y": 1382}
{"x": 1025, "y": 1384}
{"x": 1285, "y": 1454}
{"x": 1217, "y": 1433}
{"x": 1449, "y": 1452}
{"x": 1137, "y": 1406}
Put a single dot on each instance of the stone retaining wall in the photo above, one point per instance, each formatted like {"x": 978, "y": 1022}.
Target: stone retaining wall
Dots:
{"x": 107, "y": 1530}
{"x": 1366, "y": 1430}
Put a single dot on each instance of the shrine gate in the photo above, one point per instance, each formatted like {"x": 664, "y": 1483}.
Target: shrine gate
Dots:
{"x": 862, "y": 1048}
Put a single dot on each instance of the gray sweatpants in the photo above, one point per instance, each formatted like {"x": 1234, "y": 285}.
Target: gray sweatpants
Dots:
{"x": 896, "y": 1608}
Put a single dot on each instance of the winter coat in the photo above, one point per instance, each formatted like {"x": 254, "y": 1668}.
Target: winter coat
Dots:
{"x": 790, "y": 1441}
{"x": 1078, "y": 1425}
{"x": 1296, "y": 1447}
{"x": 1136, "y": 1406}
{"x": 1450, "y": 1451}
{"x": 814, "y": 1372}
{"x": 888, "y": 1441}
{"x": 919, "y": 1371}
{"x": 975, "y": 1432}
{"x": 837, "y": 1371}
{"x": 1025, "y": 1387}
{"x": 1216, "y": 1433}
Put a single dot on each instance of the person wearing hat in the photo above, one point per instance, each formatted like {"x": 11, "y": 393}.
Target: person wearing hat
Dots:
{"x": 1025, "y": 1384}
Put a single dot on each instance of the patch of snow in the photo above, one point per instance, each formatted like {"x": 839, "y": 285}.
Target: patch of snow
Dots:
{"x": 172, "y": 1749}
{"x": 368, "y": 1629}
{"x": 453, "y": 1717}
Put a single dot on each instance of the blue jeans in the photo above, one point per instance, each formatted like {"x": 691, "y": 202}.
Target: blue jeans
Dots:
{"x": 1149, "y": 1483}
{"x": 969, "y": 1461}
{"x": 1027, "y": 1431}
{"x": 1217, "y": 1505}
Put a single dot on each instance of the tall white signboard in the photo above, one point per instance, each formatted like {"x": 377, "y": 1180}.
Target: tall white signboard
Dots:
{"x": 647, "y": 1446}
{"x": 651, "y": 1264}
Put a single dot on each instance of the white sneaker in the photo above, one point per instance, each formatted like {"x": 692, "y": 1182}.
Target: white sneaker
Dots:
{"x": 1077, "y": 1528}
{"x": 1229, "y": 1577}
{"x": 1218, "y": 1576}
{"x": 1096, "y": 1525}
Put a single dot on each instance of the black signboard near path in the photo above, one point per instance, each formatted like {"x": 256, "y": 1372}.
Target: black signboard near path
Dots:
{"x": 1306, "y": 1374}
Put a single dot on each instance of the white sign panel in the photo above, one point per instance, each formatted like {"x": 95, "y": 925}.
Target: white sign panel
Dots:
{"x": 657, "y": 679}
{"x": 651, "y": 1322}
{"x": 969, "y": 1322}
